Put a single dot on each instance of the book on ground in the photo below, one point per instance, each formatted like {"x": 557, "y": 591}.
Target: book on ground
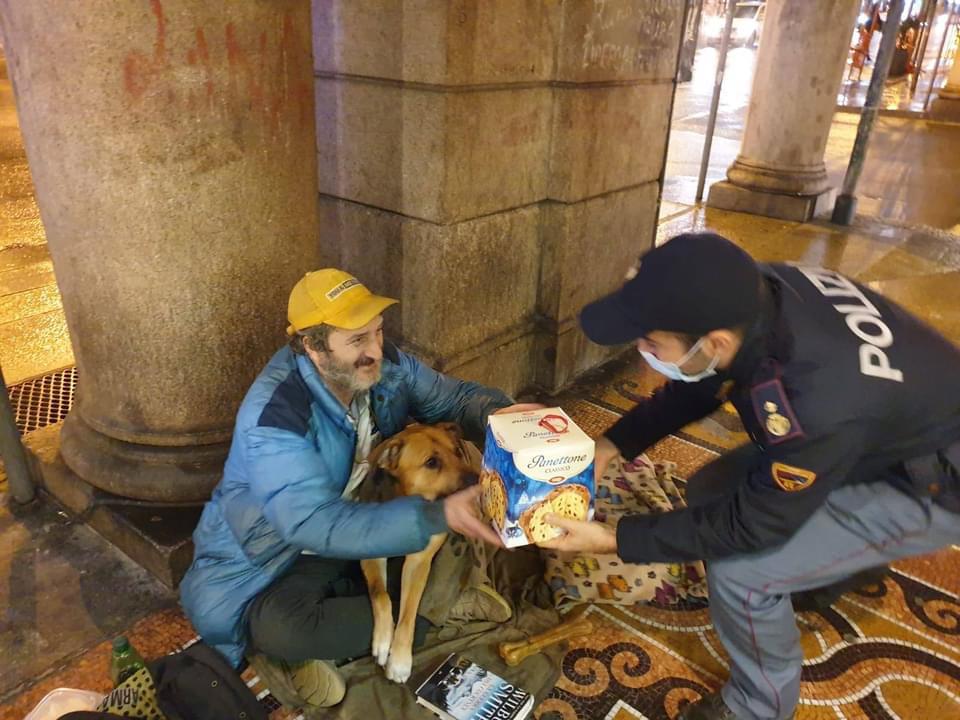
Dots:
{"x": 462, "y": 690}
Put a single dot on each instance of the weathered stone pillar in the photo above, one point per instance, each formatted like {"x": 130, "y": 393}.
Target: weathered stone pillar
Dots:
{"x": 494, "y": 164}
{"x": 616, "y": 65}
{"x": 172, "y": 147}
{"x": 780, "y": 170}
{"x": 946, "y": 106}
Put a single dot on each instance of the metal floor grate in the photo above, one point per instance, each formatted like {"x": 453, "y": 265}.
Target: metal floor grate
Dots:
{"x": 43, "y": 401}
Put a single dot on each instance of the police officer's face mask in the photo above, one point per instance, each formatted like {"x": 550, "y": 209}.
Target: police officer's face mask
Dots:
{"x": 673, "y": 371}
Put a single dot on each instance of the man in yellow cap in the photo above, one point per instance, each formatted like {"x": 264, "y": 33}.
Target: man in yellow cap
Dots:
{"x": 275, "y": 574}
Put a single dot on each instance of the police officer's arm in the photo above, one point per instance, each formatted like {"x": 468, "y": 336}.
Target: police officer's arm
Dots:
{"x": 299, "y": 498}
{"x": 670, "y": 408}
{"x": 789, "y": 483}
{"x": 437, "y": 397}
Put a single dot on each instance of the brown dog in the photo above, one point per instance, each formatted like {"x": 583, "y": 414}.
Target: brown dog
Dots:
{"x": 428, "y": 460}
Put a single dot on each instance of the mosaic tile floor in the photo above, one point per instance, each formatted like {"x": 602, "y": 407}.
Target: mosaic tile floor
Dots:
{"x": 882, "y": 653}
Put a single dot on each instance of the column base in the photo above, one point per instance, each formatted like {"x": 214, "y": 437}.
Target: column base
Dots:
{"x": 156, "y": 536}
{"x": 725, "y": 195}
{"x": 145, "y": 472}
{"x": 945, "y": 108}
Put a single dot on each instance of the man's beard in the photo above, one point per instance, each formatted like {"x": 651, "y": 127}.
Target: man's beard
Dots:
{"x": 347, "y": 375}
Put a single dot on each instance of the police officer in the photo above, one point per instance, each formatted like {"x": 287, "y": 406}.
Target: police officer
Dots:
{"x": 853, "y": 407}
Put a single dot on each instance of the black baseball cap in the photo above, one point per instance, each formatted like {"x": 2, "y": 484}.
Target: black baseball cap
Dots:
{"x": 692, "y": 284}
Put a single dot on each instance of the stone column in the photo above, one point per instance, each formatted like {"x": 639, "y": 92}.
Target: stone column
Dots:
{"x": 493, "y": 164}
{"x": 616, "y": 64}
{"x": 946, "y": 106}
{"x": 171, "y": 143}
{"x": 780, "y": 170}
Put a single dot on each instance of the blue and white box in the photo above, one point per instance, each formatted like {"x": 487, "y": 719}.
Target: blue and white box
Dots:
{"x": 535, "y": 463}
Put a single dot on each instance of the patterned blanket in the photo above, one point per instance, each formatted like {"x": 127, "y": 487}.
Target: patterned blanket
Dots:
{"x": 640, "y": 486}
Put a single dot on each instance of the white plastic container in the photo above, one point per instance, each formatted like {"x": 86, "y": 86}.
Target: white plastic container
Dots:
{"x": 62, "y": 701}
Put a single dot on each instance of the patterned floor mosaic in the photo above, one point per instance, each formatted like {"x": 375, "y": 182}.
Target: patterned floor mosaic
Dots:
{"x": 881, "y": 653}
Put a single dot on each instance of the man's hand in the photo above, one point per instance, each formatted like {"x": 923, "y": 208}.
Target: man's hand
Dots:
{"x": 519, "y": 407}
{"x": 581, "y": 536}
{"x": 604, "y": 454}
{"x": 462, "y": 512}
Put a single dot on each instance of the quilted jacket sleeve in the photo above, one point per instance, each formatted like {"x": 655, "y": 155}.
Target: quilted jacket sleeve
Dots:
{"x": 301, "y": 502}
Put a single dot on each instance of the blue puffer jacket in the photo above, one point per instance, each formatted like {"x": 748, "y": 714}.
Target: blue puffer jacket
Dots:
{"x": 291, "y": 457}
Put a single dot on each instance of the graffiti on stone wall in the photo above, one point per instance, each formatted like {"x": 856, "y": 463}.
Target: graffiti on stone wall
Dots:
{"x": 630, "y": 36}
{"x": 264, "y": 76}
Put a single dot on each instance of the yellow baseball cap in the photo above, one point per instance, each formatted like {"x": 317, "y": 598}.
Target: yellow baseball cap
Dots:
{"x": 333, "y": 297}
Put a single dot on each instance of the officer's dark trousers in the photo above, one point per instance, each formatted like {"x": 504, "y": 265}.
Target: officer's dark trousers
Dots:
{"x": 858, "y": 527}
{"x": 321, "y": 610}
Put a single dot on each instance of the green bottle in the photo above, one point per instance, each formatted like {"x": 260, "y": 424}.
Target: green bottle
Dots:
{"x": 124, "y": 661}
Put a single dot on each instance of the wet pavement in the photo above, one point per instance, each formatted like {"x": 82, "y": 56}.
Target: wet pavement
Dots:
{"x": 62, "y": 590}
{"x": 907, "y": 93}
{"x": 909, "y": 176}
{"x": 33, "y": 331}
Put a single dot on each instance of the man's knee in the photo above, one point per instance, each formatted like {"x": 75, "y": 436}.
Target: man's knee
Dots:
{"x": 724, "y": 577}
{"x": 737, "y": 579}
{"x": 758, "y": 579}
{"x": 273, "y": 633}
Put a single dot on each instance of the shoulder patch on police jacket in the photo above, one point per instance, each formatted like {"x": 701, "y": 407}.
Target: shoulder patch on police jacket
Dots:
{"x": 790, "y": 478}
{"x": 774, "y": 412}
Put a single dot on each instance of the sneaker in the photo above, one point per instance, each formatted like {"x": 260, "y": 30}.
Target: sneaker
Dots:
{"x": 303, "y": 685}
{"x": 480, "y": 603}
{"x": 709, "y": 707}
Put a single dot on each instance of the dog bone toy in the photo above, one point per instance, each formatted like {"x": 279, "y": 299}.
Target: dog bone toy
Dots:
{"x": 514, "y": 653}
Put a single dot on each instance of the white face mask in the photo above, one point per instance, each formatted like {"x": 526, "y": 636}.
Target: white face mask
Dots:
{"x": 673, "y": 371}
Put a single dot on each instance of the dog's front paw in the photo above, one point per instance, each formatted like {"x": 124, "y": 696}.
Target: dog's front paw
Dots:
{"x": 400, "y": 664}
{"x": 382, "y": 639}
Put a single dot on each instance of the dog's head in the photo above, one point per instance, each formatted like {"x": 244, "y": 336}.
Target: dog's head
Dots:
{"x": 427, "y": 460}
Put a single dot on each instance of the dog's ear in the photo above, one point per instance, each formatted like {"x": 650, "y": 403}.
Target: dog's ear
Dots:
{"x": 386, "y": 455}
{"x": 452, "y": 428}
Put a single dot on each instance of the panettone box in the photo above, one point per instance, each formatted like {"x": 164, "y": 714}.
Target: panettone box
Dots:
{"x": 535, "y": 463}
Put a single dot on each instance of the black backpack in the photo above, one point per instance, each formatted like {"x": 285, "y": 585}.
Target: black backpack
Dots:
{"x": 199, "y": 684}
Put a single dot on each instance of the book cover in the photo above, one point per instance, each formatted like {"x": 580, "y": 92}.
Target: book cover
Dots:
{"x": 462, "y": 690}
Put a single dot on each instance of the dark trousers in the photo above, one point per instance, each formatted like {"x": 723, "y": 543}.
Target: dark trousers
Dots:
{"x": 320, "y": 609}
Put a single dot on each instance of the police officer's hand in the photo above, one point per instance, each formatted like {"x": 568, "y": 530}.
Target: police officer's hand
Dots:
{"x": 462, "y": 512}
{"x": 581, "y": 536}
{"x": 604, "y": 454}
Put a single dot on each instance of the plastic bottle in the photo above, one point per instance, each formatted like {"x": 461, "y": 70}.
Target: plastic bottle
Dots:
{"x": 124, "y": 661}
